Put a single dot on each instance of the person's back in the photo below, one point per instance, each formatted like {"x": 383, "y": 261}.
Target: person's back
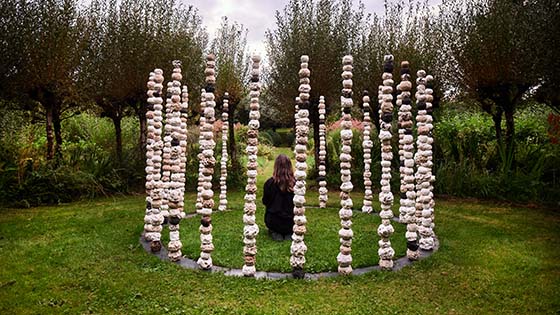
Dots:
{"x": 278, "y": 197}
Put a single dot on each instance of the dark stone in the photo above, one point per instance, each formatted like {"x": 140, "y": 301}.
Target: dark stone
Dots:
{"x": 365, "y": 93}
{"x": 206, "y": 221}
{"x": 387, "y": 117}
{"x": 165, "y": 220}
{"x": 408, "y": 131}
{"x": 226, "y": 97}
{"x": 347, "y": 110}
{"x": 388, "y": 67}
{"x": 430, "y": 84}
{"x": 298, "y": 273}
{"x": 156, "y": 94}
{"x": 406, "y": 101}
{"x": 254, "y": 79}
{"x": 421, "y": 105}
{"x": 148, "y": 205}
{"x": 367, "y": 109}
{"x": 429, "y": 111}
{"x": 403, "y": 195}
{"x": 150, "y": 106}
{"x": 175, "y": 142}
{"x": 405, "y": 71}
{"x": 402, "y": 163}
{"x": 184, "y": 111}
{"x": 320, "y": 178}
{"x": 210, "y": 88}
{"x": 412, "y": 245}
{"x": 174, "y": 220}
{"x": 304, "y": 105}
{"x": 155, "y": 246}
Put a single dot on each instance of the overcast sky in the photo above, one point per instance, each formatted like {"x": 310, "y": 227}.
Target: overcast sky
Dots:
{"x": 256, "y": 15}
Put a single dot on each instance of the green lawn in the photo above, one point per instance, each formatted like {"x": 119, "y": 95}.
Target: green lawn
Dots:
{"x": 85, "y": 257}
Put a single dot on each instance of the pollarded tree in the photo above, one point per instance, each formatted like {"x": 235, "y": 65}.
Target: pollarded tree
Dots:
{"x": 492, "y": 45}
{"x": 127, "y": 40}
{"x": 42, "y": 48}
{"x": 229, "y": 46}
{"x": 325, "y": 30}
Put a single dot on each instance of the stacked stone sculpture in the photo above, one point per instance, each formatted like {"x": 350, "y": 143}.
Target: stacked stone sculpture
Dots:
{"x": 154, "y": 187}
{"x": 423, "y": 159}
{"x": 201, "y": 124}
{"x": 367, "y": 145}
{"x": 323, "y": 191}
{"x": 344, "y": 258}
{"x": 406, "y": 155}
{"x": 251, "y": 229}
{"x": 166, "y": 157}
{"x": 298, "y": 248}
{"x": 223, "y": 162}
{"x": 429, "y": 123}
{"x": 406, "y": 148}
{"x": 385, "y": 229}
{"x": 208, "y": 161}
{"x": 174, "y": 154}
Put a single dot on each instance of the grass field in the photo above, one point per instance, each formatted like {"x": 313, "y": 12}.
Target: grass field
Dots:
{"x": 85, "y": 257}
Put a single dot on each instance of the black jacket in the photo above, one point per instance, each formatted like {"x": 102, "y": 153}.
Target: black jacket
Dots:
{"x": 279, "y": 215}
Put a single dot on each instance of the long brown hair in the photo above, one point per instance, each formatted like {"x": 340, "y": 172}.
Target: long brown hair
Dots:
{"x": 283, "y": 174}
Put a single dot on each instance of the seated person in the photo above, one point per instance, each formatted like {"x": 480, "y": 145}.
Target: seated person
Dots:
{"x": 278, "y": 197}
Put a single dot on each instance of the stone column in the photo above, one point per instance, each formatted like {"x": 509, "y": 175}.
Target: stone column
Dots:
{"x": 367, "y": 145}
{"x": 423, "y": 161}
{"x": 251, "y": 229}
{"x": 344, "y": 258}
{"x": 201, "y": 124}
{"x": 298, "y": 248}
{"x": 224, "y": 160}
{"x": 184, "y": 119}
{"x": 323, "y": 191}
{"x": 385, "y": 229}
{"x": 208, "y": 161}
{"x": 154, "y": 147}
{"x": 176, "y": 143}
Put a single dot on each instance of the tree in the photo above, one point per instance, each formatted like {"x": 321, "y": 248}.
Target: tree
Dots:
{"x": 42, "y": 45}
{"x": 317, "y": 30}
{"x": 229, "y": 46}
{"x": 492, "y": 45}
{"x": 127, "y": 40}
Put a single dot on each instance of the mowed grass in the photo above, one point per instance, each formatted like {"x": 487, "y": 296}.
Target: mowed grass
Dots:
{"x": 85, "y": 257}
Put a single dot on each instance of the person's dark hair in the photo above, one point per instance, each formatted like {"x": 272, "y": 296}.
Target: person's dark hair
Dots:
{"x": 283, "y": 174}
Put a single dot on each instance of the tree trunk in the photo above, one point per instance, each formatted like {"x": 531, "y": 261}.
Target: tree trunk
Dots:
{"x": 50, "y": 134}
{"x": 510, "y": 133}
{"x": 118, "y": 136}
{"x": 141, "y": 114}
{"x": 57, "y": 134}
{"x": 497, "y": 118}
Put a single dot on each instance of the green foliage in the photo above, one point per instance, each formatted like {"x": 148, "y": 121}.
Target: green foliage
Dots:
{"x": 470, "y": 161}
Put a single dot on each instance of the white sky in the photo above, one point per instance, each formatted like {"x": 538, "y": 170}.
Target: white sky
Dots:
{"x": 256, "y": 15}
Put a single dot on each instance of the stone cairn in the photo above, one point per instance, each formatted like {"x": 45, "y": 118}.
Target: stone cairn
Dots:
{"x": 385, "y": 229}
{"x": 154, "y": 187}
{"x": 224, "y": 160}
{"x": 166, "y": 157}
{"x": 406, "y": 155}
{"x": 344, "y": 258}
{"x": 298, "y": 248}
{"x": 251, "y": 229}
{"x": 323, "y": 191}
{"x": 208, "y": 161}
{"x": 174, "y": 153}
{"x": 367, "y": 145}
{"x": 423, "y": 159}
{"x": 429, "y": 123}
{"x": 201, "y": 124}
